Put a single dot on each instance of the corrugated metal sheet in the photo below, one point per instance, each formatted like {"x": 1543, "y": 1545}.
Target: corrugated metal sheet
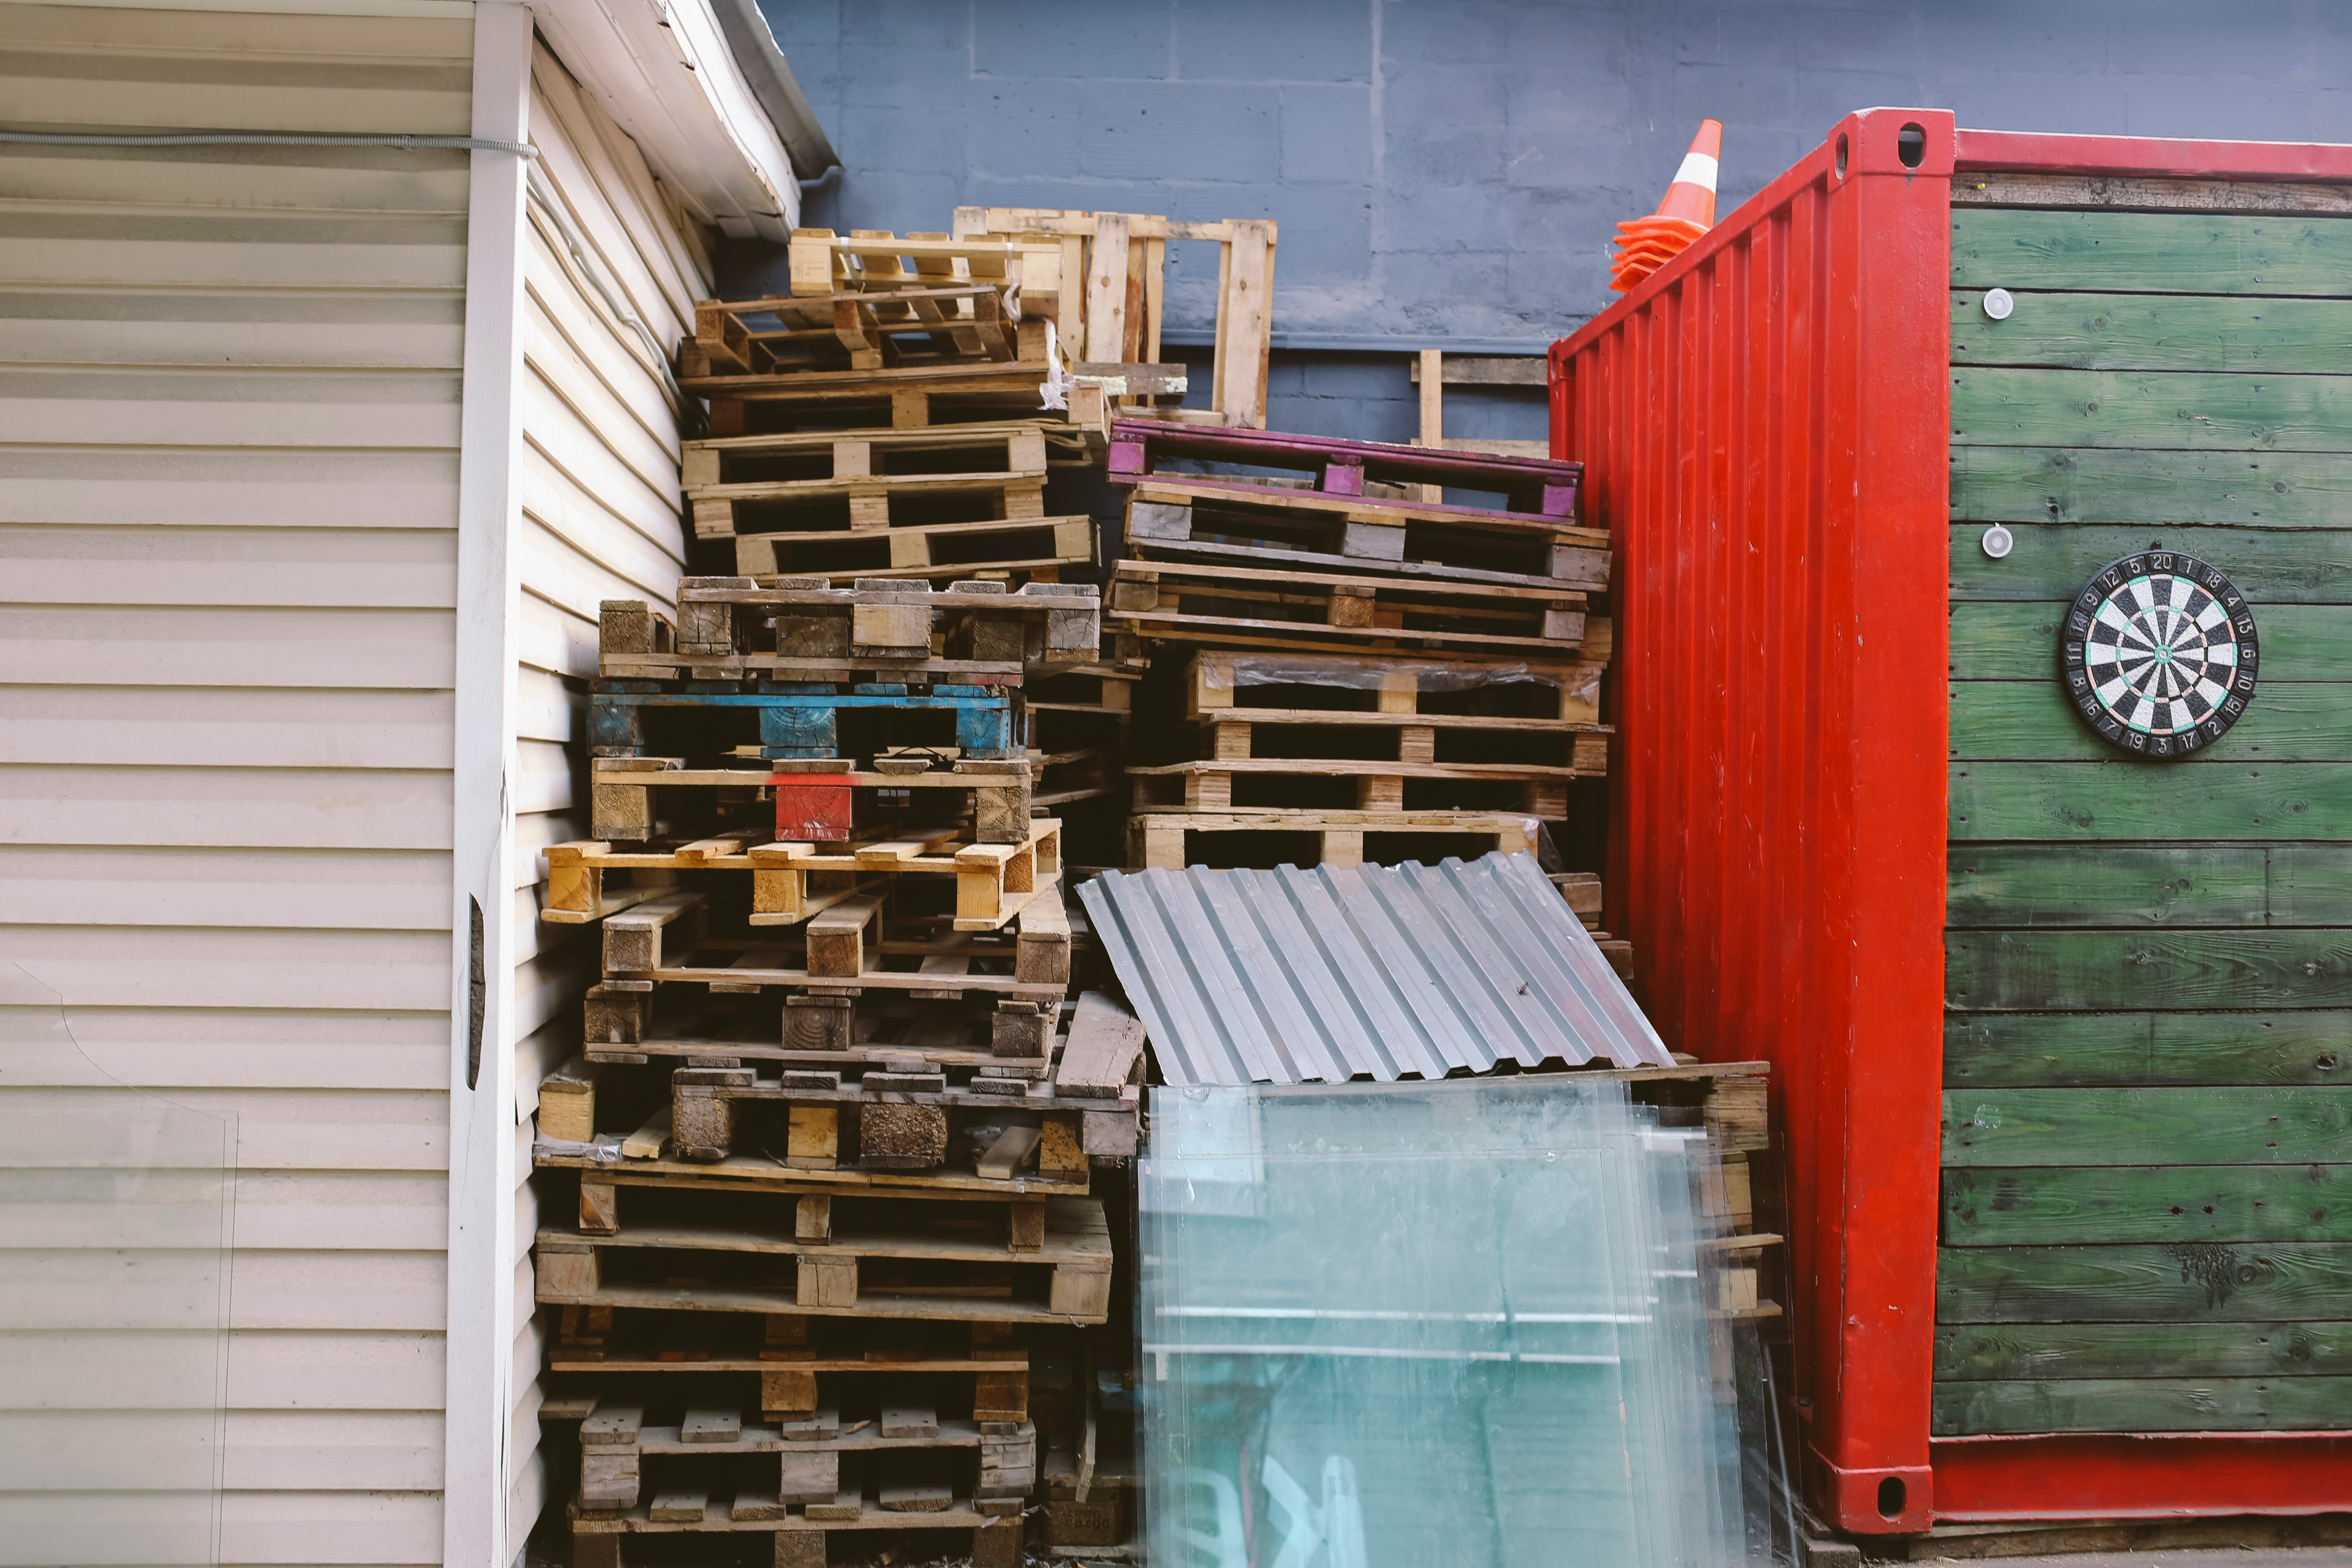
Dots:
{"x": 229, "y": 507}
{"x": 1328, "y": 974}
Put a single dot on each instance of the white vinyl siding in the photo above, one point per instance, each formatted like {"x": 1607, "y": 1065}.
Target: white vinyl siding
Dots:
{"x": 602, "y": 519}
{"x": 229, "y": 496}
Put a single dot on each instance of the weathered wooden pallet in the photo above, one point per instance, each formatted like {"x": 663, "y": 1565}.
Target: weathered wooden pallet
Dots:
{"x": 1159, "y": 839}
{"x": 863, "y": 405}
{"x": 1583, "y": 892}
{"x": 1355, "y": 689}
{"x": 1534, "y": 490}
{"x": 721, "y": 1447}
{"x": 809, "y": 629}
{"x": 1037, "y": 545}
{"x": 943, "y": 322}
{"x": 1433, "y": 370}
{"x": 800, "y": 1538}
{"x": 803, "y": 801}
{"x": 932, "y": 1030}
{"x": 827, "y": 509}
{"x": 1121, "y": 258}
{"x": 1177, "y": 520}
{"x": 913, "y": 1275}
{"x": 864, "y": 467}
{"x": 802, "y": 719}
{"x": 905, "y": 1268}
{"x": 1376, "y": 785}
{"x": 875, "y": 261}
{"x": 1238, "y": 607}
{"x": 664, "y": 940}
{"x": 792, "y": 881}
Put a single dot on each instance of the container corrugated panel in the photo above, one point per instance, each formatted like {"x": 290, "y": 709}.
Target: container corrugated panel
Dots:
{"x": 1767, "y": 429}
{"x": 1763, "y": 424}
{"x": 1326, "y": 974}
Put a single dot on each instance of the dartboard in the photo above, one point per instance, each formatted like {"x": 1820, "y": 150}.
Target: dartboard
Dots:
{"x": 2159, "y": 654}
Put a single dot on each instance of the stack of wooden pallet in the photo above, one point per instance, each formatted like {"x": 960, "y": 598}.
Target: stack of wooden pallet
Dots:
{"x": 834, "y": 1065}
{"x": 1365, "y": 656}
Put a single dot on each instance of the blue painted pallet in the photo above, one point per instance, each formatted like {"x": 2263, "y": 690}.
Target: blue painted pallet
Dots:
{"x": 803, "y": 719}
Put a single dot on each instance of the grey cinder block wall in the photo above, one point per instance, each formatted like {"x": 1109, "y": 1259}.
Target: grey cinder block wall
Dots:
{"x": 1448, "y": 173}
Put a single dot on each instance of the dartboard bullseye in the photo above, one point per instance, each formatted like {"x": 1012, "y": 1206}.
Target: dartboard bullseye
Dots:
{"x": 2159, "y": 654}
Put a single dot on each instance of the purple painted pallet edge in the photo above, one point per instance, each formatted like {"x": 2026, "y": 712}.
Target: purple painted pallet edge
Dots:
{"x": 1341, "y": 468}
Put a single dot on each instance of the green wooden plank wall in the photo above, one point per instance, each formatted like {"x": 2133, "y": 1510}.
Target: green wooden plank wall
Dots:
{"x": 2148, "y": 1110}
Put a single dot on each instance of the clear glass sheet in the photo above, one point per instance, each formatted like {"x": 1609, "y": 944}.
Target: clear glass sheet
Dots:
{"x": 1388, "y": 1326}
{"x": 114, "y": 1232}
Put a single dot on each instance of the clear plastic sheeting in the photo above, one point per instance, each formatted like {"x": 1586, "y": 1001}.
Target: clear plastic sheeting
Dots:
{"x": 1388, "y": 1326}
{"x": 114, "y": 1290}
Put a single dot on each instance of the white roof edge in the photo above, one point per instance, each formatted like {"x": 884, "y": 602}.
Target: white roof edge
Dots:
{"x": 664, "y": 71}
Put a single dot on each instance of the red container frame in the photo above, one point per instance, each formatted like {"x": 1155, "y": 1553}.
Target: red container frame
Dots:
{"x": 1764, "y": 424}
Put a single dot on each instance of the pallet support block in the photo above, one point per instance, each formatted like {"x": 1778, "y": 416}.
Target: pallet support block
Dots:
{"x": 813, "y": 1137}
{"x": 817, "y": 1023}
{"x": 827, "y": 1282}
{"x": 702, "y": 1113}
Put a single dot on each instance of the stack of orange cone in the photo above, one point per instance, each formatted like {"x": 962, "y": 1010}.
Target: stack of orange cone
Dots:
{"x": 1647, "y": 243}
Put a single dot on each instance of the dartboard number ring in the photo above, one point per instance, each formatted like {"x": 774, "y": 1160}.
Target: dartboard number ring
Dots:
{"x": 2159, "y": 654}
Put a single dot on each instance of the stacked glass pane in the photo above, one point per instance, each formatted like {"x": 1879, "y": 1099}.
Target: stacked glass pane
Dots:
{"x": 1406, "y": 1325}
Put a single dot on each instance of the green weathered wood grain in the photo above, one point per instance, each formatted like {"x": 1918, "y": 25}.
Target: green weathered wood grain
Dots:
{"x": 2037, "y": 970}
{"x": 2142, "y": 1405}
{"x": 2173, "y": 253}
{"x": 2145, "y": 885}
{"x": 2299, "y": 566}
{"x": 2156, "y": 332}
{"x": 2195, "y": 411}
{"x": 2204, "y": 1126}
{"x": 1981, "y": 1352}
{"x": 2130, "y": 799}
{"x": 2176, "y": 1282}
{"x": 2144, "y": 488}
{"x": 2072, "y": 885}
{"x": 2020, "y": 641}
{"x": 2030, "y": 720}
{"x": 2071, "y": 1205}
{"x": 2051, "y": 1050}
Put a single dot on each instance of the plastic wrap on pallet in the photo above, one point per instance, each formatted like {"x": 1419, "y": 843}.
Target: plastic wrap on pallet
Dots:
{"x": 1365, "y": 672}
{"x": 1386, "y": 1326}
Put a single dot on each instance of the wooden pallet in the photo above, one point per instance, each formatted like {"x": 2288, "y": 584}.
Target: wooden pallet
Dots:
{"x": 810, "y": 628}
{"x": 802, "y": 720}
{"x": 912, "y": 1266}
{"x": 1583, "y": 892}
{"x": 862, "y": 465}
{"x": 925, "y": 396}
{"x": 1175, "y": 518}
{"x": 1068, "y": 1281}
{"x": 1352, "y": 689}
{"x": 1238, "y": 607}
{"x": 792, "y": 881}
{"x": 804, "y": 1462}
{"x": 877, "y": 262}
{"x": 825, "y": 510}
{"x": 1122, "y": 258}
{"x": 1534, "y": 490}
{"x": 641, "y": 798}
{"x": 801, "y": 1539}
{"x": 1433, "y": 370}
{"x": 1037, "y": 545}
{"x": 1375, "y": 784}
{"x": 1159, "y": 839}
{"x": 942, "y": 321}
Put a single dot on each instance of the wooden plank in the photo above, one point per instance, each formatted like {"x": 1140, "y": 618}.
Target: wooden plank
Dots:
{"x": 2126, "y": 799}
{"x": 2194, "y": 411}
{"x": 2263, "y": 1125}
{"x": 2031, "y": 720}
{"x": 2014, "y": 971}
{"x": 2146, "y": 884}
{"x": 2156, "y": 332}
{"x": 2014, "y": 641}
{"x": 2167, "y": 1283}
{"x": 2142, "y": 1405}
{"x": 2173, "y": 253}
{"x": 2052, "y": 562}
{"x": 2127, "y": 192}
{"x": 1105, "y": 1045}
{"x": 1481, "y": 370}
{"x": 2078, "y": 484}
{"x": 2010, "y": 1206}
{"x": 2045, "y": 1050}
{"x": 2108, "y": 885}
{"x": 1974, "y": 1352}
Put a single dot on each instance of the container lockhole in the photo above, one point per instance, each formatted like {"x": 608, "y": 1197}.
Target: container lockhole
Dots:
{"x": 1841, "y": 156}
{"x": 1911, "y": 145}
{"x": 1891, "y": 1498}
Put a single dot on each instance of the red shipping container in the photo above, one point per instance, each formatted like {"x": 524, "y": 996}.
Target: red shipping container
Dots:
{"x": 1768, "y": 431}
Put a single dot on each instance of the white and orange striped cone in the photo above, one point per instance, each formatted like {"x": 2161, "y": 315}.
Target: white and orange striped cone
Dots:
{"x": 1645, "y": 244}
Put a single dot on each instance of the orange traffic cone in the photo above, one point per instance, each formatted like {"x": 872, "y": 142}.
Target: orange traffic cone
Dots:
{"x": 1647, "y": 243}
